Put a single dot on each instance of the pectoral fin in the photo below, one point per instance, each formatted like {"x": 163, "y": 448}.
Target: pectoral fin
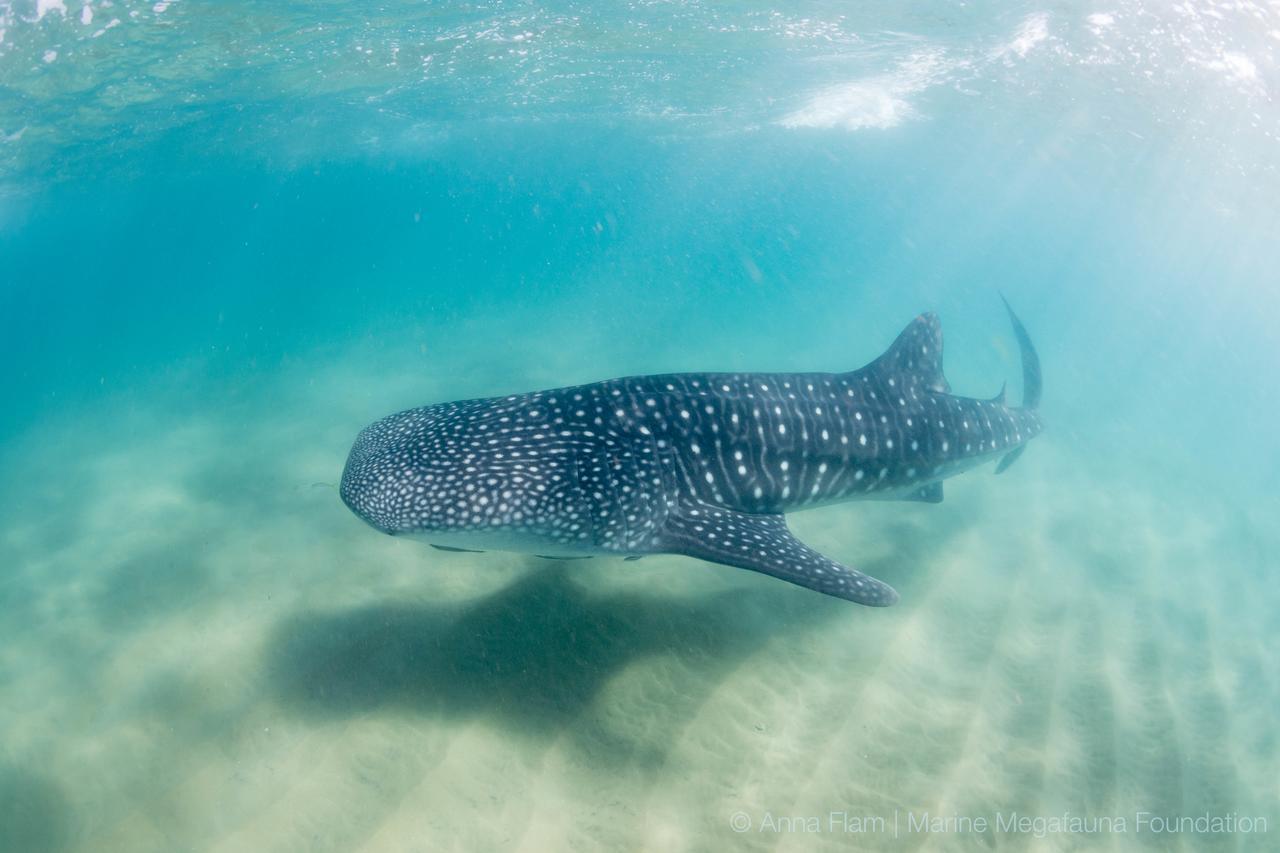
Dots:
{"x": 762, "y": 543}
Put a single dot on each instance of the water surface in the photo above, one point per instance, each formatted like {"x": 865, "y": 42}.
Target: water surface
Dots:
{"x": 231, "y": 236}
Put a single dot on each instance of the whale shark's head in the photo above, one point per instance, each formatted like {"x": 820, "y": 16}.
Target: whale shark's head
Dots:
{"x": 470, "y": 474}
{"x": 383, "y": 480}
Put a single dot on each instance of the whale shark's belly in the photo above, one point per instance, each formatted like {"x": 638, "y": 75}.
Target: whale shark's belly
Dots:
{"x": 503, "y": 538}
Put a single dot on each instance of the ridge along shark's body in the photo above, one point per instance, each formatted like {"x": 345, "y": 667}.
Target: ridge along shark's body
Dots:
{"x": 700, "y": 464}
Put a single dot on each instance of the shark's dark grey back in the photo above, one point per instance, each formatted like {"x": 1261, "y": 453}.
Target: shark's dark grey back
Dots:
{"x": 771, "y": 442}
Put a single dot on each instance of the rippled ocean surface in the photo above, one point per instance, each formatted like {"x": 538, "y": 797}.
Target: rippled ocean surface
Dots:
{"x": 233, "y": 234}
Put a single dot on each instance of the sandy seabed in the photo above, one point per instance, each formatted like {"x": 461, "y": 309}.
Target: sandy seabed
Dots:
{"x": 204, "y": 650}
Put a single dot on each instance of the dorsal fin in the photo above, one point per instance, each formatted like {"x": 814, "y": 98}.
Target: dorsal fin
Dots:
{"x": 1002, "y": 396}
{"x": 916, "y": 356}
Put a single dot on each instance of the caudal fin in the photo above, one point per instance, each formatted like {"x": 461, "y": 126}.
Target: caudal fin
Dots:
{"x": 1030, "y": 379}
{"x": 1030, "y": 361}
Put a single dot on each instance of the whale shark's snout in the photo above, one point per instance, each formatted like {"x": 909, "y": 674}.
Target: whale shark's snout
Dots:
{"x": 378, "y": 481}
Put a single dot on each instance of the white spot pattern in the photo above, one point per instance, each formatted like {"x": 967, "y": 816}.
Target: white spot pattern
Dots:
{"x": 614, "y": 466}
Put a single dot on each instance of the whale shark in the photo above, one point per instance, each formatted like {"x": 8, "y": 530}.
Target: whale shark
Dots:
{"x": 704, "y": 465}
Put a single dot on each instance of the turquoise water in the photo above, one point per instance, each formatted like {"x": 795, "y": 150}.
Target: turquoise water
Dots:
{"x": 232, "y": 235}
